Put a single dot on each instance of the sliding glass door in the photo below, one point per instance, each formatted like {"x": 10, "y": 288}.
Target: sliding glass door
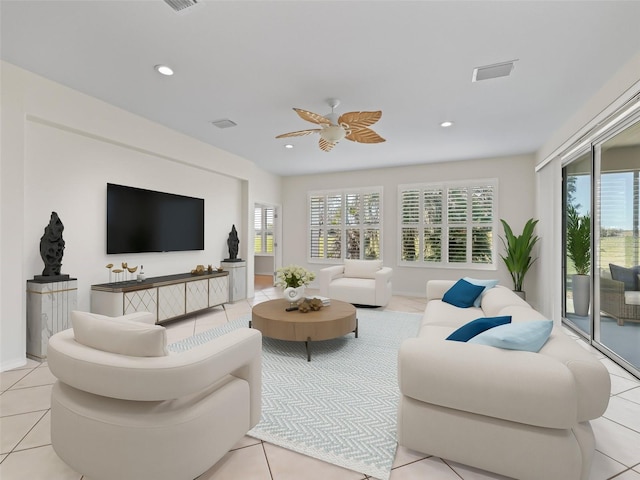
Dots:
{"x": 601, "y": 233}
{"x": 577, "y": 181}
{"x": 617, "y": 324}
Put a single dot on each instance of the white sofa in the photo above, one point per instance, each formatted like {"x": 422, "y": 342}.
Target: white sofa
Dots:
{"x": 137, "y": 412}
{"x": 361, "y": 282}
{"x": 517, "y": 413}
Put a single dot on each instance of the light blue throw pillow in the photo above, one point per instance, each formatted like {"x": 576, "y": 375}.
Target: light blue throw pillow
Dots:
{"x": 462, "y": 294}
{"x": 487, "y": 284}
{"x": 528, "y": 336}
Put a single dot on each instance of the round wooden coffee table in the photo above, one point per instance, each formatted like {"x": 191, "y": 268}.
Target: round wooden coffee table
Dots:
{"x": 332, "y": 321}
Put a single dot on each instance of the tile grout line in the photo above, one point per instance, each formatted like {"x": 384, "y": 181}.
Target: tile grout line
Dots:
{"x": 452, "y": 469}
{"x": 28, "y": 432}
{"x": 618, "y": 423}
{"x": 266, "y": 457}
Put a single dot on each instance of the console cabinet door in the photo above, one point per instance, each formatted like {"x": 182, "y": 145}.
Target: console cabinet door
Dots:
{"x": 141, "y": 301}
{"x": 197, "y": 295}
{"x": 171, "y": 301}
{"x": 218, "y": 290}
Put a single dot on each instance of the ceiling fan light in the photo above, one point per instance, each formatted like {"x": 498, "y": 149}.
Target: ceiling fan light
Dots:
{"x": 333, "y": 133}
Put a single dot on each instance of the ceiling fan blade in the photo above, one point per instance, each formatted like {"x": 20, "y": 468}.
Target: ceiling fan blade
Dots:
{"x": 312, "y": 117}
{"x": 326, "y": 145}
{"x": 300, "y": 133}
{"x": 356, "y": 120}
{"x": 364, "y": 135}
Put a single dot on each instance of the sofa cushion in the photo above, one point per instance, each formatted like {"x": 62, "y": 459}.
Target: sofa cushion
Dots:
{"x": 462, "y": 294}
{"x": 527, "y": 336}
{"x": 114, "y": 335}
{"x": 520, "y": 314}
{"x": 479, "y": 325}
{"x": 361, "y": 268}
{"x": 487, "y": 284}
{"x": 494, "y": 300}
{"x": 628, "y": 276}
{"x": 446, "y": 315}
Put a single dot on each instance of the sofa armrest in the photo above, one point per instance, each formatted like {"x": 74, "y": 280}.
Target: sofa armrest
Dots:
{"x": 437, "y": 288}
{"x": 237, "y": 353}
{"x": 382, "y": 279}
{"x": 327, "y": 275}
{"x": 383, "y": 276}
{"x": 518, "y": 386}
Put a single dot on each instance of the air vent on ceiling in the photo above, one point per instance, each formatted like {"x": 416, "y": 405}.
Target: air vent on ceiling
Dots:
{"x": 224, "y": 123}
{"x": 496, "y": 70}
{"x": 183, "y": 6}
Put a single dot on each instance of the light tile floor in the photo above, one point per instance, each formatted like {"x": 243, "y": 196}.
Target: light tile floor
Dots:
{"x": 26, "y": 452}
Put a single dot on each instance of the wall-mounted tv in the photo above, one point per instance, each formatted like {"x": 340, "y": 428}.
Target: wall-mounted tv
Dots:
{"x": 141, "y": 220}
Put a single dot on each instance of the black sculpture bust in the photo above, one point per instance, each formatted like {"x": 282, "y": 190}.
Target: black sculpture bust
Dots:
{"x": 232, "y": 243}
{"x": 52, "y": 249}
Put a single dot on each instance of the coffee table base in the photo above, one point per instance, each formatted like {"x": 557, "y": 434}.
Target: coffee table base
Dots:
{"x": 307, "y": 343}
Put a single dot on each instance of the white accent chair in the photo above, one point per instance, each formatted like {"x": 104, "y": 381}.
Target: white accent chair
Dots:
{"x": 361, "y": 282}
{"x": 123, "y": 408}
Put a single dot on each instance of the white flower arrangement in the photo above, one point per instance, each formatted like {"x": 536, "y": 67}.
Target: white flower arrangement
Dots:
{"x": 293, "y": 276}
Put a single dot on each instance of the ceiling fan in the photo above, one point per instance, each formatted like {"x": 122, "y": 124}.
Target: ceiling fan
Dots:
{"x": 353, "y": 126}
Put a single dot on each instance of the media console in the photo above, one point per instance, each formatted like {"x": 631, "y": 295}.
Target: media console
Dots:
{"x": 167, "y": 297}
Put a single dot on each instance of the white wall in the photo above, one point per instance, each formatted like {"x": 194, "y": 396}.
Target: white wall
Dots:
{"x": 515, "y": 204}
{"x": 59, "y": 150}
{"x": 68, "y": 172}
{"x": 623, "y": 85}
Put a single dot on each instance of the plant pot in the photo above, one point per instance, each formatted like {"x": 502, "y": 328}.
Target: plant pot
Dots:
{"x": 580, "y": 286}
{"x": 521, "y": 294}
{"x": 294, "y": 294}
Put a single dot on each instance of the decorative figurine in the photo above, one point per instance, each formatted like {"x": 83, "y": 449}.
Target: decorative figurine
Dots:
{"x": 109, "y": 266}
{"x": 131, "y": 271}
{"x": 232, "y": 243}
{"x": 117, "y": 271}
{"x": 52, "y": 247}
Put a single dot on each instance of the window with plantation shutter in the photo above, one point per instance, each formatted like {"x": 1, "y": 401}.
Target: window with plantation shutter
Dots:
{"x": 448, "y": 224}
{"x": 345, "y": 224}
{"x": 263, "y": 226}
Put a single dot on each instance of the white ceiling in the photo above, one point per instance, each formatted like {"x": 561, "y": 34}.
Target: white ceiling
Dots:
{"x": 252, "y": 62}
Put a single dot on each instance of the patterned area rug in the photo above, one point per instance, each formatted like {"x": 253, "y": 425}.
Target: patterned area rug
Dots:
{"x": 342, "y": 406}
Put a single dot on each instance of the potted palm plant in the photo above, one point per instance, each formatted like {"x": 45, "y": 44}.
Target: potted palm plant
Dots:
{"x": 579, "y": 252}
{"x": 518, "y": 252}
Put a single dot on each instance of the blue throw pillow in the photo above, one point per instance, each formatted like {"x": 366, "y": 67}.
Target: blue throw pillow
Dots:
{"x": 487, "y": 284}
{"x": 479, "y": 325}
{"x": 628, "y": 276}
{"x": 462, "y": 294}
{"x": 528, "y": 336}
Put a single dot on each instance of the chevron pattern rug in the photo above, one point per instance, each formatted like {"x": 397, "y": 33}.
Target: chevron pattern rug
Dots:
{"x": 342, "y": 406}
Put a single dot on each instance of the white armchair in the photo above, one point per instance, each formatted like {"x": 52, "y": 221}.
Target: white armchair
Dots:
{"x": 361, "y": 282}
{"x": 138, "y": 412}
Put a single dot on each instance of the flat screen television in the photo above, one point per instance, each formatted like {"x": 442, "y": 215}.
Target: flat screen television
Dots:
{"x": 141, "y": 220}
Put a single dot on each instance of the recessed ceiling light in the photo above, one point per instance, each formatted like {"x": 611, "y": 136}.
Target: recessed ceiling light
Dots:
{"x": 288, "y": 145}
{"x": 446, "y": 124}
{"x": 164, "y": 70}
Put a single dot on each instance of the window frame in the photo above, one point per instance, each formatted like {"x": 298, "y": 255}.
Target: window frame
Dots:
{"x": 444, "y": 224}
{"x": 343, "y": 224}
